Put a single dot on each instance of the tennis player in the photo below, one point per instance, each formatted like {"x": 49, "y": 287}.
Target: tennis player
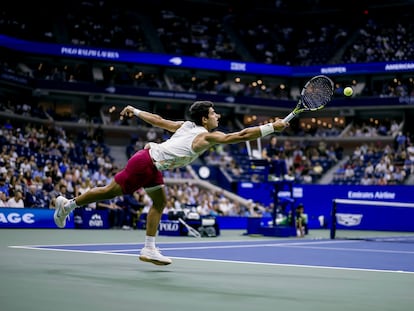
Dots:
{"x": 144, "y": 168}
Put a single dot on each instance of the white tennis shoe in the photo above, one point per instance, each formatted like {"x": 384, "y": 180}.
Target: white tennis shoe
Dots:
{"x": 154, "y": 256}
{"x": 61, "y": 213}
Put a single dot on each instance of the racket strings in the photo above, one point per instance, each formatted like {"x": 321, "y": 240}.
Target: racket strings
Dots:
{"x": 317, "y": 94}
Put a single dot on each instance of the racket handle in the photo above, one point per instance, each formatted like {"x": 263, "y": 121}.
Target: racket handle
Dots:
{"x": 289, "y": 117}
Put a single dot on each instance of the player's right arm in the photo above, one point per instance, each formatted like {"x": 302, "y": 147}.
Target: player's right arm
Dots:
{"x": 206, "y": 140}
{"x": 152, "y": 118}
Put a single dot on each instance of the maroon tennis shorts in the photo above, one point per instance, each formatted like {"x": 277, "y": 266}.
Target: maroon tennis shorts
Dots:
{"x": 139, "y": 172}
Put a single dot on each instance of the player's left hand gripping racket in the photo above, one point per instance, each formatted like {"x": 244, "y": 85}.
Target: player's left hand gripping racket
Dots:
{"x": 316, "y": 93}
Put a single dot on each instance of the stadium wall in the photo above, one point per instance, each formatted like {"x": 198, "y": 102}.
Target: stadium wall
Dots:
{"x": 317, "y": 200}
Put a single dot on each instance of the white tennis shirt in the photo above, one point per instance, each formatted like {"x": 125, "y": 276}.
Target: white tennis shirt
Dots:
{"x": 177, "y": 151}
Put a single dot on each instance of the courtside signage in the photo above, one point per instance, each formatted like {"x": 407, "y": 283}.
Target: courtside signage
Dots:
{"x": 200, "y": 63}
{"x": 28, "y": 218}
{"x": 369, "y": 195}
{"x": 88, "y": 218}
{"x": 169, "y": 227}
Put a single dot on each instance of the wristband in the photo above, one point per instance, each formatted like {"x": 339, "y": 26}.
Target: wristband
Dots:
{"x": 136, "y": 112}
{"x": 266, "y": 129}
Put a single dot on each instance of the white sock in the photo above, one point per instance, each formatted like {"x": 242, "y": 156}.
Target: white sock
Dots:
{"x": 71, "y": 205}
{"x": 150, "y": 241}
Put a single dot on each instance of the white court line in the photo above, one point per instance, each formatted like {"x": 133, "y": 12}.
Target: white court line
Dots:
{"x": 353, "y": 249}
{"x": 297, "y": 244}
{"x": 178, "y": 242}
{"x": 301, "y": 244}
{"x": 296, "y": 266}
{"x": 225, "y": 246}
{"x": 225, "y": 261}
{"x": 108, "y": 252}
{"x": 51, "y": 247}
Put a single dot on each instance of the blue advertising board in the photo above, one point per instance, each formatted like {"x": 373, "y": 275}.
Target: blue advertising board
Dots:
{"x": 367, "y": 217}
{"x": 170, "y": 227}
{"x": 318, "y": 202}
{"x": 29, "y": 218}
{"x": 126, "y": 56}
{"x": 89, "y": 218}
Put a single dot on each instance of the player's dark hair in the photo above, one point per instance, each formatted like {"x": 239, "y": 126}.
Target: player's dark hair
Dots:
{"x": 198, "y": 110}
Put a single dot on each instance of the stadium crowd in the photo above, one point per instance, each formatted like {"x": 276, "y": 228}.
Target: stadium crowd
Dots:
{"x": 41, "y": 160}
{"x": 39, "y": 163}
{"x": 228, "y": 31}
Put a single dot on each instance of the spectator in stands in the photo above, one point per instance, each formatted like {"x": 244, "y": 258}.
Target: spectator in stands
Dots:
{"x": 133, "y": 207}
{"x": 115, "y": 212}
{"x": 151, "y": 135}
{"x": 400, "y": 142}
{"x": 349, "y": 172}
{"x": 369, "y": 169}
{"x": 47, "y": 184}
{"x": 331, "y": 154}
{"x": 398, "y": 175}
{"x": 84, "y": 186}
{"x": 272, "y": 153}
{"x": 3, "y": 200}
{"x": 4, "y": 187}
{"x": 317, "y": 170}
{"x": 16, "y": 201}
{"x": 367, "y": 180}
{"x": 32, "y": 197}
{"x": 380, "y": 167}
{"x": 144, "y": 169}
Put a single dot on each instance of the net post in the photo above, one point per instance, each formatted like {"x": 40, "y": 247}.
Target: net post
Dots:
{"x": 333, "y": 220}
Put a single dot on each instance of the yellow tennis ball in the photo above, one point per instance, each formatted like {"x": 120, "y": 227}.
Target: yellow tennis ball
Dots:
{"x": 348, "y": 91}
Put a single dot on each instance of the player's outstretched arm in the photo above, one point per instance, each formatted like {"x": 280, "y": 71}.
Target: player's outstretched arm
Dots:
{"x": 251, "y": 133}
{"x": 151, "y": 118}
{"x": 204, "y": 141}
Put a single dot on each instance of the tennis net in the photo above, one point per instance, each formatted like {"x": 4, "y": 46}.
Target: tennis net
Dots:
{"x": 372, "y": 220}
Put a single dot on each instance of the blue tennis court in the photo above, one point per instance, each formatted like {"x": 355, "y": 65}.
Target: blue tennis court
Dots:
{"x": 99, "y": 270}
{"x": 379, "y": 256}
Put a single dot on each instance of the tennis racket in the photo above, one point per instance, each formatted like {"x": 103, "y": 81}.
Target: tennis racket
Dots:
{"x": 316, "y": 93}
{"x": 191, "y": 231}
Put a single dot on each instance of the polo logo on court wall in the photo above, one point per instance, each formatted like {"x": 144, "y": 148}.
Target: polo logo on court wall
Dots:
{"x": 169, "y": 226}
